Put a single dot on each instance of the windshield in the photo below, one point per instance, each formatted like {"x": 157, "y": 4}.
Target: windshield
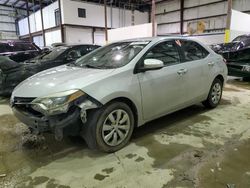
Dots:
{"x": 112, "y": 56}
{"x": 240, "y": 38}
{"x": 55, "y": 52}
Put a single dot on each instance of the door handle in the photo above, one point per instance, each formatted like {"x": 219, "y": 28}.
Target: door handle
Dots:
{"x": 182, "y": 71}
{"x": 211, "y": 63}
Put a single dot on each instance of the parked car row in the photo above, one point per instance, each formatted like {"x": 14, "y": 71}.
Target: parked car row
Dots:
{"x": 19, "y": 51}
{"x": 105, "y": 94}
{"x": 14, "y": 72}
{"x": 237, "y": 55}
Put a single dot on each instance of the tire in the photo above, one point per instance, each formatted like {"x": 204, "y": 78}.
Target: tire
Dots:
{"x": 246, "y": 79}
{"x": 97, "y": 136}
{"x": 214, "y": 95}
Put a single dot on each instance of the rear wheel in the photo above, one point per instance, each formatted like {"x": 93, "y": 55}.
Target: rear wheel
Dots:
{"x": 110, "y": 127}
{"x": 214, "y": 95}
{"x": 246, "y": 79}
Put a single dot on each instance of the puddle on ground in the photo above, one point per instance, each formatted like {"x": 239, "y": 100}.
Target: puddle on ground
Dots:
{"x": 41, "y": 181}
{"x": 108, "y": 170}
{"x": 230, "y": 89}
{"x": 161, "y": 153}
{"x": 225, "y": 102}
{"x": 21, "y": 153}
{"x": 232, "y": 170}
{"x": 172, "y": 124}
{"x": 100, "y": 177}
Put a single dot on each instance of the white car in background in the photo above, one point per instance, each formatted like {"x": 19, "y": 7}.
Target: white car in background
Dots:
{"x": 118, "y": 87}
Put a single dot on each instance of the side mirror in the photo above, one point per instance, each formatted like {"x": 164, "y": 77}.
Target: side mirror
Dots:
{"x": 151, "y": 64}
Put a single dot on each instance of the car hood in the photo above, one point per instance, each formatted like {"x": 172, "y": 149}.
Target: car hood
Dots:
{"x": 7, "y": 64}
{"x": 226, "y": 47}
{"x": 38, "y": 60}
{"x": 59, "y": 79}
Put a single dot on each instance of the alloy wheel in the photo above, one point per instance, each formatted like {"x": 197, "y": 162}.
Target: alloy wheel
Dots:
{"x": 216, "y": 93}
{"x": 116, "y": 127}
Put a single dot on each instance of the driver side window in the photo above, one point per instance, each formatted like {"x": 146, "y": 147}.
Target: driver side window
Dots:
{"x": 167, "y": 52}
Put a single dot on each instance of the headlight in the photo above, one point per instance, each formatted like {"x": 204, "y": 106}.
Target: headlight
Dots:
{"x": 56, "y": 103}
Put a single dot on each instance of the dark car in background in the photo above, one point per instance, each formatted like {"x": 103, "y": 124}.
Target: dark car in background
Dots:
{"x": 237, "y": 56}
{"x": 13, "y": 73}
{"x": 19, "y": 51}
{"x": 238, "y": 63}
{"x": 240, "y": 42}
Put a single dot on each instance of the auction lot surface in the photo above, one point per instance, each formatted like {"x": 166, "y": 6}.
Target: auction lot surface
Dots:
{"x": 194, "y": 147}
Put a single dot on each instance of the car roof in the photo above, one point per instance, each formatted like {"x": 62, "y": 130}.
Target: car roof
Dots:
{"x": 73, "y": 45}
{"x": 158, "y": 38}
{"x": 13, "y": 42}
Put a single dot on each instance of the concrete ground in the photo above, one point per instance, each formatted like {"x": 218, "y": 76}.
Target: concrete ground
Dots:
{"x": 194, "y": 147}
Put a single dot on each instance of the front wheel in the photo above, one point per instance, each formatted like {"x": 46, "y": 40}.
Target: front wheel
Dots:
{"x": 214, "y": 95}
{"x": 110, "y": 127}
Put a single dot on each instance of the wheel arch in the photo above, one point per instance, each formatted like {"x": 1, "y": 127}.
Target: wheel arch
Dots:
{"x": 131, "y": 104}
{"x": 221, "y": 78}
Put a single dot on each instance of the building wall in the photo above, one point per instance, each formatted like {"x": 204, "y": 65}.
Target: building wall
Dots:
{"x": 212, "y": 15}
{"x": 73, "y": 33}
{"x": 78, "y": 35}
{"x": 53, "y": 37}
{"x": 7, "y": 23}
{"x": 95, "y": 15}
{"x": 36, "y": 21}
{"x": 38, "y": 40}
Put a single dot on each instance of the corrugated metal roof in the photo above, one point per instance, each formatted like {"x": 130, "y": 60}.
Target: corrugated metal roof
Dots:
{"x": 33, "y": 5}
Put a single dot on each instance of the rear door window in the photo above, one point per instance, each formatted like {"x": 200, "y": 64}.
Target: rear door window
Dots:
{"x": 192, "y": 50}
{"x": 167, "y": 52}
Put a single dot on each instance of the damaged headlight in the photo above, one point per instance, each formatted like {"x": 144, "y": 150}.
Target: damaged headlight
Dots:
{"x": 56, "y": 103}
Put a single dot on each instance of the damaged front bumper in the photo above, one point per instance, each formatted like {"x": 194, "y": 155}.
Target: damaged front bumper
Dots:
{"x": 56, "y": 124}
{"x": 64, "y": 124}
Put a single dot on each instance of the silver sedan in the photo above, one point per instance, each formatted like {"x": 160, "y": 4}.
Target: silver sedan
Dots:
{"x": 104, "y": 95}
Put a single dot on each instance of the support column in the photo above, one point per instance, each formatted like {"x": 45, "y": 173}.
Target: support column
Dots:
{"x": 43, "y": 32}
{"x": 28, "y": 14}
{"x": 153, "y": 18}
{"x": 93, "y": 35}
{"x": 181, "y": 16}
{"x": 229, "y": 15}
{"x": 105, "y": 19}
{"x": 61, "y": 25}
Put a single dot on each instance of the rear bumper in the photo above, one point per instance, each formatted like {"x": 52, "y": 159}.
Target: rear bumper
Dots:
{"x": 63, "y": 124}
